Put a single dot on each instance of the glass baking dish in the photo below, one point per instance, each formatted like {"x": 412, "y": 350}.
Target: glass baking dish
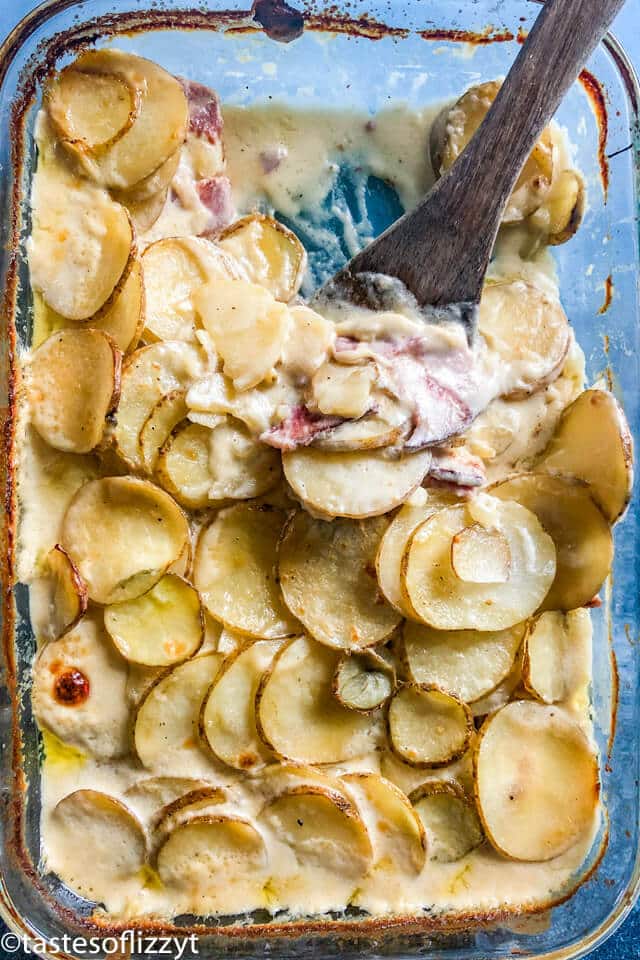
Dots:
{"x": 358, "y": 54}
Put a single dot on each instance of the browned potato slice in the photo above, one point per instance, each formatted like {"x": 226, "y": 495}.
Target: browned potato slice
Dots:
{"x": 268, "y": 253}
{"x": 560, "y": 215}
{"x": 195, "y": 803}
{"x": 158, "y": 128}
{"x": 166, "y": 723}
{"x": 235, "y": 571}
{"x": 182, "y": 467}
{"x": 456, "y": 125}
{"x": 536, "y": 781}
{"x": 91, "y": 110}
{"x": 123, "y": 320}
{"x": 112, "y": 850}
{"x": 363, "y": 681}
{"x": 593, "y": 442}
{"x": 325, "y": 572}
{"x": 73, "y": 384}
{"x": 398, "y": 835}
{"x": 144, "y": 214}
{"x": 358, "y": 484}
{"x": 481, "y": 555}
{"x": 556, "y": 659}
{"x": 149, "y": 796}
{"x": 584, "y": 546}
{"x": 66, "y": 593}
{"x": 297, "y": 715}
{"x": 467, "y": 663}
{"x": 440, "y": 599}
{"x": 79, "y": 684}
{"x": 428, "y": 727}
{"x": 323, "y": 827}
{"x": 162, "y": 627}
{"x": 450, "y": 819}
{"x": 396, "y": 537}
{"x": 168, "y": 412}
{"x": 122, "y": 534}
{"x": 149, "y": 374}
{"x": 280, "y": 777}
{"x": 228, "y": 719}
{"x": 526, "y": 329}
{"x": 368, "y": 433}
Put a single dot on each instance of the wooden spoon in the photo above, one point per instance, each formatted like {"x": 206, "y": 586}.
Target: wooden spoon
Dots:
{"x": 440, "y": 251}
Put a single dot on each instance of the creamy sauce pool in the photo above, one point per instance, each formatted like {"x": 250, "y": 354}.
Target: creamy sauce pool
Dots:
{"x": 309, "y": 148}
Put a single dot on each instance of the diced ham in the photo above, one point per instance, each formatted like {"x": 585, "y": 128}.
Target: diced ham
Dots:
{"x": 215, "y": 194}
{"x": 299, "y": 428}
{"x": 205, "y": 113}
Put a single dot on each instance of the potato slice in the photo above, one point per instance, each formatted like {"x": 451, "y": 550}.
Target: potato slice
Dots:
{"x": 325, "y": 572}
{"x": 358, "y": 484}
{"x": 66, "y": 597}
{"x": 91, "y": 110}
{"x": 343, "y": 391}
{"x": 156, "y": 184}
{"x": 396, "y": 538}
{"x": 527, "y": 331}
{"x": 368, "y": 433}
{"x": 322, "y": 827}
{"x": 269, "y": 254}
{"x": 167, "y": 413}
{"x": 228, "y": 719}
{"x": 584, "y": 546}
{"x": 308, "y": 342}
{"x": 182, "y": 467}
{"x": 144, "y": 213}
{"x": 428, "y": 727}
{"x": 467, "y": 663}
{"x": 593, "y": 443}
{"x": 507, "y": 690}
{"x": 363, "y": 681}
{"x": 297, "y": 715}
{"x": 174, "y": 269}
{"x": 455, "y": 127}
{"x": 195, "y": 803}
{"x": 112, "y": 850}
{"x": 536, "y": 809}
{"x": 159, "y": 126}
{"x": 438, "y": 598}
{"x": 122, "y": 533}
{"x": 78, "y": 693}
{"x": 399, "y": 839}
{"x": 123, "y": 320}
{"x": 149, "y": 374}
{"x": 166, "y": 723}
{"x": 247, "y": 325}
{"x": 148, "y": 797}
{"x": 560, "y": 215}
{"x": 81, "y": 248}
{"x": 162, "y": 627}
{"x": 556, "y": 648}
{"x": 73, "y": 384}
{"x": 481, "y": 555}
{"x": 235, "y": 571}
{"x": 450, "y": 819}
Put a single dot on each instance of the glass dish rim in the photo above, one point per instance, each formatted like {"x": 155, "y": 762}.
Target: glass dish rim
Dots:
{"x": 9, "y": 50}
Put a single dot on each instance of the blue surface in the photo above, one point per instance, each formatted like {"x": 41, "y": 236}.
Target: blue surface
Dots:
{"x": 625, "y": 945}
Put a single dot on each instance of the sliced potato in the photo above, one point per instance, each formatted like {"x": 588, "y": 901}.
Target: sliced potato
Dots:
{"x": 168, "y": 412}
{"x": 327, "y": 576}
{"x": 66, "y": 593}
{"x": 182, "y": 467}
{"x": 363, "y": 681}
{"x": 440, "y": 599}
{"x": 455, "y": 127}
{"x": 343, "y": 391}
{"x": 593, "y": 443}
{"x": 247, "y": 325}
{"x": 149, "y": 374}
{"x": 123, "y": 320}
{"x": 467, "y": 663}
{"x": 151, "y": 795}
{"x": 481, "y": 555}
{"x": 111, "y": 512}
{"x": 144, "y": 213}
{"x": 166, "y": 723}
{"x": 73, "y": 384}
{"x": 507, "y": 690}
{"x": 358, "y": 484}
{"x": 428, "y": 727}
{"x": 158, "y": 128}
{"x": 323, "y": 828}
{"x": 309, "y": 339}
{"x": 556, "y": 650}
{"x": 228, "y": 719}
{"x": 156, "y": 184}
{"x": 235, "y": 571}
{"x": 399, "y": 838}
{"x": 297, "y": 715}
{"x": 450, "y": 819}
{"x": 89, "y": 828}
{"x": 396, "y": 537}
{"x": 269, "y": 254}
{"x": 278, "y": 778}
{"x": 215, "y": 395}
{"x": 562, "y": 210}
{"x": 195, "y": 803}
{"x": 91, "y": 110}
{"x": 78, "y": 693}
{"x": 162, "y": 627}
{"x": 527, "y": 331}
{"x": 369, "y": 433}
{"x": 536, "y": 780}
{"x": 584, "y": 546}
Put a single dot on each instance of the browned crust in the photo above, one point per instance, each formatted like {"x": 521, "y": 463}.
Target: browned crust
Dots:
{"x": 431, "y": 764}
{"x": 608, "y": 294}
{"x": 595, "y": 93}
{"x": 469, "y": 36}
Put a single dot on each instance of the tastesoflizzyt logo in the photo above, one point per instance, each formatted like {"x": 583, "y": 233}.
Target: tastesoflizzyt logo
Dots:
{"x": 129, "y": 943}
